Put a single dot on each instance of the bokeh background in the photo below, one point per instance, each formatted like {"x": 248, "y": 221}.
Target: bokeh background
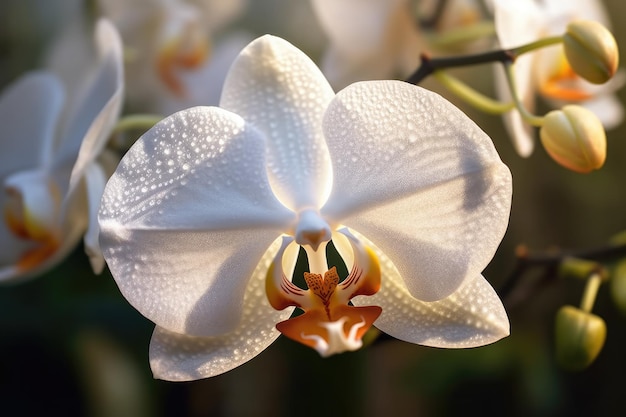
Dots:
{"x": 70, "y": 344}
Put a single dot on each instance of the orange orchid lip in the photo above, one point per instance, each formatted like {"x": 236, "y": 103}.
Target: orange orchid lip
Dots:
{"x": 564, "y": 84}
{"x": 330, "y": 324}
{"x": 27, "y": 224}
{"x": 36, "y": 256}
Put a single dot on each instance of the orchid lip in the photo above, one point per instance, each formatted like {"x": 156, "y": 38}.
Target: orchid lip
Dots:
{"x": 329, "y": 324}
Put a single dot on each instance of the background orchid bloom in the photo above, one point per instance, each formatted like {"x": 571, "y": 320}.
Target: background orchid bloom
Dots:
{"x": 546, "y": 73}
{"x": 211, "y": 206}
{"x": 52, "y": 181}
{"x": 381, "y": 39}
{"x": 170, "y": 58}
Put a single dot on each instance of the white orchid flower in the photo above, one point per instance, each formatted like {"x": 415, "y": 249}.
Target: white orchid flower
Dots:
{"x": 381, "y": 39}
{"x": 546, "y": 73}
{"x": 171, "y": 62}
{"x": 51, "y": 180}
{"x": 203, "y": 220}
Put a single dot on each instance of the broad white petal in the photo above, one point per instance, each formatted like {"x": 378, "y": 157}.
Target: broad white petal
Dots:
{"x": 420, "y": 179}
{"x": 95, "y": 181}
{"x": 178, "y": 357}
{"x": 187, "y": 216}
{"x": 471, "y": 316}
{"x": 110, "y": 84}
{"x": 276, "y": 87}
{"x": 29, "y": 111}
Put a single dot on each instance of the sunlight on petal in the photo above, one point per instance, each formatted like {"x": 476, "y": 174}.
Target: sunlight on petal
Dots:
{"x": 471, "y": 316}
{"x": 279, "y": 90}
{"x": 177, "y": 357}
{"x": 430, "y": 190}
{"x": 185, "y": 202}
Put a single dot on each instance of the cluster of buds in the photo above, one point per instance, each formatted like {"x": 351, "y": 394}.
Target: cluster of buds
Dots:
{"x": 574, "y": 136}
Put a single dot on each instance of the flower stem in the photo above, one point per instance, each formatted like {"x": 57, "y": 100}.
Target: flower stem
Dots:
{"x": 538, "y": 44}
{"x": 463, "y": 35}
{"x": 429, "y": 65}
{"x": 470, "y": 95}
{"x": 526, "y": 115}
{"x": 591, "y": 291}
{"x": 137, "y": 121}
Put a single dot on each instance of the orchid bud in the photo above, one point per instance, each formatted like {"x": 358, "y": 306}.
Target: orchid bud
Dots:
{"x": 574, "y": 137}
{"x": 579, "y": 337}
{"x": 591, "y": 50}
{"x": 618, "y": 285}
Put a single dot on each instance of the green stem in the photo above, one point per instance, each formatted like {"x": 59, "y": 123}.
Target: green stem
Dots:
{"x": 137, "y": 121}
{"x": 473, "y": 97}
{"x": 591, "y": 291}
{"x": 526, "y": 115}
{"x": 463, "y": 35}
{"x": 538, "y": 44}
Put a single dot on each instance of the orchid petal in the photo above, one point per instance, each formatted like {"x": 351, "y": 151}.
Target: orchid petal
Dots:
{"x": 185, "y": 202}
{"x": 517, "y": 22}
{"x": 109, "y": 83}
{"x": 522, "y": 134}
{"x": 14, "y": 273}
{"x": 36, "y": 204}
{"x": 420, "y": 179}
{"x": 216, "y": 13}
{"x": 278, "y": 89}
{"x": 95, "y": 181}
{"x": 14, "y": 270}
{"x": 471, "y": 316}
{"x": 608, "y": 108}
{"x": 369, "y": 40}
{"x": 203, "y": 85}
{"x": 29, "y": 111}
{"x": 178, "y": 357}
{"x": 356, "y": 27}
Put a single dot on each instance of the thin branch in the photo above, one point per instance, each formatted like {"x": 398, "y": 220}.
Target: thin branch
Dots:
{"x": 551, "y": 261}
{"x": 429, "y": 65}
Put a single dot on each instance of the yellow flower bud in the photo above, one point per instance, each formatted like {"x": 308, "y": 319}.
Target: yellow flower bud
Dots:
{"x": 574, "y": 137}
{"x": 579, "y": 338}
{"x": 591, "y": 50}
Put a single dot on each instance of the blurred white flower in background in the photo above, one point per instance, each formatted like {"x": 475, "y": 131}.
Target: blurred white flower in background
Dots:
{"x": 52, "y": 178}
{"x": 173, "y": 59}
{"x": 382, "y": 39}
{"x": 546, "y": 72}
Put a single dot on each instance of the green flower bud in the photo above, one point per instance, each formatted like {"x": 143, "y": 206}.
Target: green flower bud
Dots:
{"x": 591, "y": 50}
{"x": 618, "y": 285}
{"x": 579, "y": 337}
{"x": 574, "y": 137}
